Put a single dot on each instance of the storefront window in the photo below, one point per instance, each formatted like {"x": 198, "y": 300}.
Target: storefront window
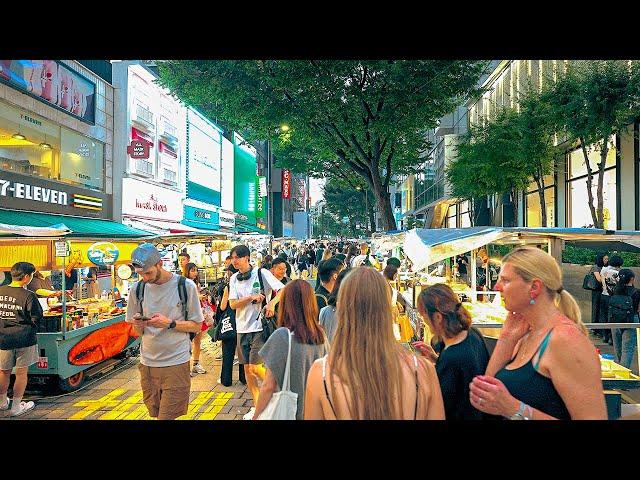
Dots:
{"x": 37, "y": 154}
{"x": 579, "y": 213}
{"x": 534, "y": 212}
{"x": 451, "y": 216}
{"x": 465, "y": 219}
{"x": 82, "y": 161}
{"x": 577, "y": 166}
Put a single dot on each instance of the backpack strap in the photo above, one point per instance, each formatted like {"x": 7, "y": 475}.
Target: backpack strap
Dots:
{"x": 182, "y": 292}
{"x": 326, "y": 301}
{"x": 264, "y": 302}
{"x": 140, "y": 294}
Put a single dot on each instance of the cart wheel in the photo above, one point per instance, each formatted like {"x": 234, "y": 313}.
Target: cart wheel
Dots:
{"x": 72, "y": 383}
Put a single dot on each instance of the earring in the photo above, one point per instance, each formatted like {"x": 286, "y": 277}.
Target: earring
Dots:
{"x": 532, "y": 301}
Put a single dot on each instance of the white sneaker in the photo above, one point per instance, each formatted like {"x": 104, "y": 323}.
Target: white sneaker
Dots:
{"x": 23, "y": 408}
{"x": 249, "y": 414}
{"x": 197, "y": 368}
{"x": 219, "y": 380}
{"x": 5, "y": 406}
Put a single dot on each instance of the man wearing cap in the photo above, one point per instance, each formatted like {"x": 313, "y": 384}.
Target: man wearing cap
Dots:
{"x": 165, "y": 349}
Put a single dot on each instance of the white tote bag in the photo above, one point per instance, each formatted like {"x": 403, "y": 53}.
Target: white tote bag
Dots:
{"x": 283, "y": 404}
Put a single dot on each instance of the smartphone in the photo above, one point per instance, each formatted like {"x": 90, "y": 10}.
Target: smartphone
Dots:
{"x": 142, "y": 318}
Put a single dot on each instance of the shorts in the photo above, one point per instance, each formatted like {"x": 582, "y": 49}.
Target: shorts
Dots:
{"x": 249, "y": 344}
{"x": 18, "y": 357}
{"x": 165, "y": 390}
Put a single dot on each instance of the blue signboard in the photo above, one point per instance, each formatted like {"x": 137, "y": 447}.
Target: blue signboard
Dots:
{"x": 201, "y": 218}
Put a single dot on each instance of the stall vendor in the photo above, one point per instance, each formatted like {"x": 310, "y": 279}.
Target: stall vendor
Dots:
{"x": 42, "y": 286}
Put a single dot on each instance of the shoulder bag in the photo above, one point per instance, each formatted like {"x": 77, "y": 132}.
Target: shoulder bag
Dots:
{"x": 590, "y": 282}
{"x": 268, "y": 323}
{"x": 283, "y": 404}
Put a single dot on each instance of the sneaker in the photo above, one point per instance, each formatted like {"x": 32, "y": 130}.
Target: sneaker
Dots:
{"x": 197, "y": 368}
{"x": 5, "y": 406}
{"x": 219, "y": 380}
{"x": 23, "y": 408}
{"x": 218, "y": 357}
{"x": 236, "y": 361}
{"x": 249, "y": 414}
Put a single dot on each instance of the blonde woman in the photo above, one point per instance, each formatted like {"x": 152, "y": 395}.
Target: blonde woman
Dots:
{"x": 543, "y": 367}
{"x": 345, "y": 385}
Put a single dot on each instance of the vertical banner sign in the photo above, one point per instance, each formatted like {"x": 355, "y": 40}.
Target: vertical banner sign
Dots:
{"x": 263, "y": 186}
{"x": 259, "y": 200}
{"x": 286, "y": 184}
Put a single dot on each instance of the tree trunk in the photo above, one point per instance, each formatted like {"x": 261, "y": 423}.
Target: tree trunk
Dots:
{"x": 594, "y": 215}
{"x": 383, "y": 201}
{"x": 372, "y": 217}
{"x": 603, "y": 160}
{"x": 543, "y": 203}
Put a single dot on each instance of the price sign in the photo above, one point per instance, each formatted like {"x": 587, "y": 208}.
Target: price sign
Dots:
{"x": 63, "y": 249}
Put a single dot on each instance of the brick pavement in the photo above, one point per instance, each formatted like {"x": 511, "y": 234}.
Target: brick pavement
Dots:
{"x": 117, "y": 395}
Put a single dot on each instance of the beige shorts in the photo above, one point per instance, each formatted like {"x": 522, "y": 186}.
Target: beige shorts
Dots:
{"x": 19, "y": 357}
{"x": 165, "y": 390}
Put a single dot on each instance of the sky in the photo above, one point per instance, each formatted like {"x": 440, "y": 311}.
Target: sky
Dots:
{"x": 315, "y": 189}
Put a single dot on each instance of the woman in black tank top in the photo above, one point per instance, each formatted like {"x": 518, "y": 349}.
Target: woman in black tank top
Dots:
{"x": 544, "y": 366}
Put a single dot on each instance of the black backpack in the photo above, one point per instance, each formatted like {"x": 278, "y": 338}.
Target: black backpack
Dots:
{"x": 620, "y": 309}
{"x": 182, "y": 292}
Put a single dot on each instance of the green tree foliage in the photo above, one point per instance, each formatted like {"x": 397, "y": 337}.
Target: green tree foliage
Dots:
{"x": 591, "y": 102}
{"x": 349, "y": 200}
{"x": 503, "y": 154}
{"x": 346, "y": 117}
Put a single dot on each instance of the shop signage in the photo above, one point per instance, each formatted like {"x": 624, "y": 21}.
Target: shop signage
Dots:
{"x": 124, "y": 271}
{"x": 82, "y": 159}
{"x": 138, "y": 149}
{"x": 52, "y": 83}
{"x": 241, "y": 217}
{"x": 200, "y": 217}
{"x": 63, "y": 249}
{"x": 227, "y": 221}
{"x": 262, "y": 186}
{"x": 260, "y": 207}
{"x": 103, "y": 253}
{"x": 146, "y": 200}
{"x": 286, "y": 184}
{"x": 23, "y": 192}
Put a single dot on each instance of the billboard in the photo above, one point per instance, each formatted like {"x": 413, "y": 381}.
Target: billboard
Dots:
{"x": 52, "y": 83}
{"x": 204, "y": 155}
{"x": 245, "y": 182}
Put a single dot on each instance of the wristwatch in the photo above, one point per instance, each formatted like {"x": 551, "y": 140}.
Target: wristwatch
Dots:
{"x": 519, "y": 415}
{"x": 172, "y": 324}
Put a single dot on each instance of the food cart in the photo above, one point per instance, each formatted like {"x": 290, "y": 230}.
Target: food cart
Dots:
{"x": 77, "y": 334}
{"x": 425, "y": 247}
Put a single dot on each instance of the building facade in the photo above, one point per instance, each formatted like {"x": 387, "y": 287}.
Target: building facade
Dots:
{"x": 56, "y": 139}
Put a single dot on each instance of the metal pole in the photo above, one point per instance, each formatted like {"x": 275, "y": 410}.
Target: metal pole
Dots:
{"x": 64, "y": 295}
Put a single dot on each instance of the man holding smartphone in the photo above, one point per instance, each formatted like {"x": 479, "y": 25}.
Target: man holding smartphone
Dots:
{"x": 165, "y": 350}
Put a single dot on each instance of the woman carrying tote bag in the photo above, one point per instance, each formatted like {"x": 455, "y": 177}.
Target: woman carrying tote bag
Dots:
{"x": 300, "y": 334}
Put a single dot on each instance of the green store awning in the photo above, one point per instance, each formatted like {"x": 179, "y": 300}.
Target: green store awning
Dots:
{"x": 80, "y": 227}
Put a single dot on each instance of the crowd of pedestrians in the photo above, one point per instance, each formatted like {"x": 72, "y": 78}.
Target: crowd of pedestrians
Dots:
{"x": 336, "y": 348}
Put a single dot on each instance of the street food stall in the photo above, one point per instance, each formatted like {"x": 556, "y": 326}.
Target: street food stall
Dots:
{"x": 425, "y": 247}
{"x": 208, "y": 251}
{"x": 77, "y": 333}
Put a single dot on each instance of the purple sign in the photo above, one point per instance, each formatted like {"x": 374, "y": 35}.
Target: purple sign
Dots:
{"x": 53, "y": 83}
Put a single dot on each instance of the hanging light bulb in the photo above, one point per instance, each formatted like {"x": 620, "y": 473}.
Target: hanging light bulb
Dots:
{"x": 46, "y": 146}
{"x": 18, "y": 136}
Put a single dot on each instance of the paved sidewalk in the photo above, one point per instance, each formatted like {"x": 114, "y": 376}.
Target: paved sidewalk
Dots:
{"x": 117, "y": 395}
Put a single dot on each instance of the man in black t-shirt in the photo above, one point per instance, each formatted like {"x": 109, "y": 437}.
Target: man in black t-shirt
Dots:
{"x": 20, "y": 314}
{"x": 327, "y": 274}
{"x": 462, "y": 263}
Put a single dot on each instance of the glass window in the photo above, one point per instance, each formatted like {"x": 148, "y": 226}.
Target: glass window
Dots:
{"x": 549, "y": 181}
{"x": 37, "y": 155}
{"x": 451, "y": 216}
{"x": 82, "y": 160}
{"x": 577, "y": 166}
{"x": 534, "y": 212}
{"x": 579, "y": 213}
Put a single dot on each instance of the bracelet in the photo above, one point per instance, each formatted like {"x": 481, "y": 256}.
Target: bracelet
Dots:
{"x": 521, "y": 413}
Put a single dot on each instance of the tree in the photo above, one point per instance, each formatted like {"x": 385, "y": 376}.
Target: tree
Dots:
{"x": 344, "y": 200}
{"x": 362, "y": 117}
{"x": 592, "y": 102}
{"x": 504, "y": 153}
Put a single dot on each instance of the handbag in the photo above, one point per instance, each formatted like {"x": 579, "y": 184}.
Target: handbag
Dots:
{"x": 283, "y": 405}
{"x": 268, "y": 324}
{"x": 223, "y": 330}
{"x": 590, "y": 282}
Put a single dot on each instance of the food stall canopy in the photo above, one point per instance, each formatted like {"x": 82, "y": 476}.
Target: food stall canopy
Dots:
{"x": 77, "y": 227}
{"x": 426, "y": 246}
{"x": 56, "y": 230}
{"x": 160, "y": 227}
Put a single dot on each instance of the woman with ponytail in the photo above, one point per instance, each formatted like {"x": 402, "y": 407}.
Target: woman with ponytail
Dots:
{"x": 544, "y": 366}
{"x": 464, "y": 354}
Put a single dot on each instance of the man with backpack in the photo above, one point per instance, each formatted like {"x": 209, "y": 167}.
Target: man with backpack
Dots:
{"x": 623, "y": 308}
{"x": 609, "y": 275}
{"x": 248, "y": 289}
{"x": 164, "y": 309}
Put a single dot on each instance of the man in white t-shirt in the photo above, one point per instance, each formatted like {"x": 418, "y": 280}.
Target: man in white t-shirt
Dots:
{"x": 246, "y": 299}
{"x": 359, "y": 260}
